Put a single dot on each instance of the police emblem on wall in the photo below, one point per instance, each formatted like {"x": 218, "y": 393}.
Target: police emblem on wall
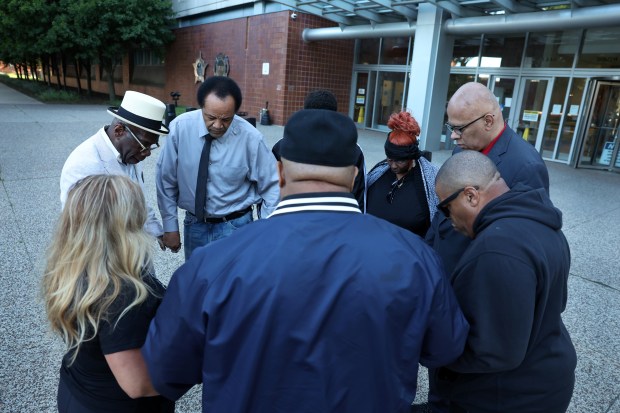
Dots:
{"x": 222, "y": 66}
{"x": 199, "y": 69}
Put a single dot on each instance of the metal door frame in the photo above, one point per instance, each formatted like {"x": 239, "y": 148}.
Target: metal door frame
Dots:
{"x": 543, "y": 117}
{"x": 590, "y": 94}
{"x": 517, "y": 86}
{"x": 353, "y": 95}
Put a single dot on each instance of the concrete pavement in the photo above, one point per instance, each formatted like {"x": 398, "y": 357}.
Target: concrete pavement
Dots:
{"x": 35, "y": 140}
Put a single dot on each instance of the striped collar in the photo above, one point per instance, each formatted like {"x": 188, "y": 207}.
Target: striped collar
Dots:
{"x": 319, "y": 201}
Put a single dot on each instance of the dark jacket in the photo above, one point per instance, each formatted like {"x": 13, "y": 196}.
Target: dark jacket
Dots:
{"x": 518, "y": 162}
{"x": 317, "y": 309}
{"x": 511, "y": 284}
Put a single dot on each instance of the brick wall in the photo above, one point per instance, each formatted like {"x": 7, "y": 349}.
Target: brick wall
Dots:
{"x": 326, "y": 64}
{"x": 295, "y": 67}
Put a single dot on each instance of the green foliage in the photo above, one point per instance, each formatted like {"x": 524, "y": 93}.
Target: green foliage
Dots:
{"x": 47, "y": 94}
{"x": 58, "y": 96}
{"x": 102, "y": 31}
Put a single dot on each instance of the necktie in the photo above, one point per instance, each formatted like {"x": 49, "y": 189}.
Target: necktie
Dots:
{"x": 201, "y": 182}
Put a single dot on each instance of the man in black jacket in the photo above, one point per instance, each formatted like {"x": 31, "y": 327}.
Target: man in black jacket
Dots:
{"x": 511, "y": 284}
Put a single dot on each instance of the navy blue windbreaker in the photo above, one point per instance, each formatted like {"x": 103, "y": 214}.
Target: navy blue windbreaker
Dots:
{"x": 317, "y": 309}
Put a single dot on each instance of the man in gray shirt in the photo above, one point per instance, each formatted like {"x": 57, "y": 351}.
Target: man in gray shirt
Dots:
{"x": 235, "y": 166}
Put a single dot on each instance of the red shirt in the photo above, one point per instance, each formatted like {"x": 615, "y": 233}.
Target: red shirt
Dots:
{"x": 486, "y": 150}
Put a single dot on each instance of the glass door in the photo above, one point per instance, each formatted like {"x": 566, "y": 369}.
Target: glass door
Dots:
{"x": 530, "y": 119}
{"x": 601, "y": 143}
{"x": 360, "y": 99}
{"x": 563, "y": 113}
{"x": 503, "y": 89}
{"x": 390, "y": 97}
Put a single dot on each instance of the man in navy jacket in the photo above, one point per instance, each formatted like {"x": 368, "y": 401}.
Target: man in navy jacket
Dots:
{"x": 512, "y": 286}
{"x": 318, "y": 308}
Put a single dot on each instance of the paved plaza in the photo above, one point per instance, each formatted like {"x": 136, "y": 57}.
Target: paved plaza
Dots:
{"x": 35, "y": 140}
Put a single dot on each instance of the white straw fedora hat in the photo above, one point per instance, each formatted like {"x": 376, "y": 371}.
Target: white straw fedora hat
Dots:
{"x": 142, "y": 111}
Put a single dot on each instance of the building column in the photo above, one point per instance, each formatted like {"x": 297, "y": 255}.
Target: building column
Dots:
{"x": 430, "y": 74}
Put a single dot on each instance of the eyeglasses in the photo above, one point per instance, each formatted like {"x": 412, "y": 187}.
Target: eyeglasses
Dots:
{"x": 144, "y": 148}
{"x": 443, "y": 205}
{"x": 459, "y": 129}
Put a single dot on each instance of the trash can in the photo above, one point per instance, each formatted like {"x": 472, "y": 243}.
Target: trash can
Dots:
{"x": 264, "y": 117}
{"x": 171, "y": 113}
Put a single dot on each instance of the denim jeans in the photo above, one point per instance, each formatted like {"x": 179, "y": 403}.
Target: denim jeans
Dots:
{"x": 198, "y": 234}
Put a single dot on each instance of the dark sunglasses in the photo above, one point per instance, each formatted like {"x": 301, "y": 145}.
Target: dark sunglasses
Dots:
{"x": 443, "y": 205}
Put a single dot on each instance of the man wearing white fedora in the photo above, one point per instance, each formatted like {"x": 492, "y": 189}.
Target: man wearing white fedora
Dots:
{"x": 118, "y": 148}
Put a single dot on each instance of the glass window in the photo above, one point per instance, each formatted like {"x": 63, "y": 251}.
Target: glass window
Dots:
{"x": 147, "y": 58}
{"x": 551, "y": 49}
{"x": 465, "y": 52}
{"x": 502, "y": 51}
{"x": 70, "y": 71}
{"x": 390, "y": 97}
{"x": 555, "y": 112}
{"x": 368, "y": 51}
{"x": 603, "y": 126}
{"x": 361, "y": 96}
{"x": 571, "y": 113}
{"x": 455, "y": 82}
{"x": 394, "y": 50}
{"x": 484, "y": 79}
{"x": 504, "y": 90}
{"x": 600, "y": 49}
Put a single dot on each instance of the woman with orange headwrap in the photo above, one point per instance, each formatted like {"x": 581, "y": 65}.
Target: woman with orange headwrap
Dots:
{"x": 401, "y": 188}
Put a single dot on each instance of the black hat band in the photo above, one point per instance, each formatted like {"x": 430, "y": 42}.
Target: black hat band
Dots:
{"x": 139, "y": 120}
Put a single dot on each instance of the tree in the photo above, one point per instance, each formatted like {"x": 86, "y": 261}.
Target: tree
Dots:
{"x": 108, "y": 31}
{"x": 23, "y": 25}
{"x": 34, "y": 32}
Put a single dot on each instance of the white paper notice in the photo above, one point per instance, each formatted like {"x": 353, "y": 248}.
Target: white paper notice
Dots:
{"x": 530, "y": 115}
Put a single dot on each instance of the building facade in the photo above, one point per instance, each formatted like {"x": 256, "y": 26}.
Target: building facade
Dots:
{"x": 554, "y": 68}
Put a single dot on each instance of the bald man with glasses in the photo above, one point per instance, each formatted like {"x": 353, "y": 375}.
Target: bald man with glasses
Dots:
{"x": 476, "y": 123}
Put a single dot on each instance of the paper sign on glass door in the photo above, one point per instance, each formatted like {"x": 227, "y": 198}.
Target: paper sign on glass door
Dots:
{"x": 530, "y": 115}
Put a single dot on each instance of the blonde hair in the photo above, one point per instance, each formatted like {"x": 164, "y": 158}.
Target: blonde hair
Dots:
{"x": 99, "y": 249}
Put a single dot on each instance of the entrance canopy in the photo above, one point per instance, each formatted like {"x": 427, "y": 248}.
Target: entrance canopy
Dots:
{"x": 385, "y": 18}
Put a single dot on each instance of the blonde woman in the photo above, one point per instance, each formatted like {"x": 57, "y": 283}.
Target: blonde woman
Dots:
{"x": 100, "y": 298}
